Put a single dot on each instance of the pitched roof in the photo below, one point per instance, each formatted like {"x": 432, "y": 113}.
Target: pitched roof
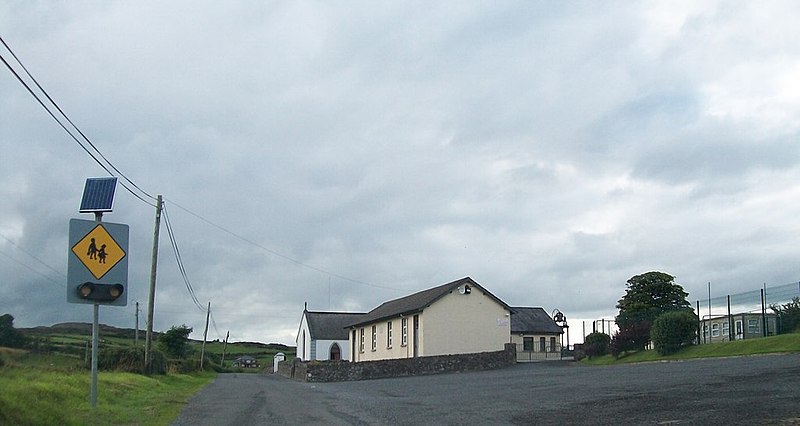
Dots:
{"x": 533, "y": 321}
{"x": 418, "y": 301}
{"x": 330, "y": 325}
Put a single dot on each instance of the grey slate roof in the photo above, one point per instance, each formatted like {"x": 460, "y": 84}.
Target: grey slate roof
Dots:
{"x": 416, "y": 302}
{"x": 330, "y": 325}
{"x": 533, "y": 321}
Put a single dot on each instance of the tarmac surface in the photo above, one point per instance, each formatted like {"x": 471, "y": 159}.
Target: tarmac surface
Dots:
{"x": 730, "y": 391}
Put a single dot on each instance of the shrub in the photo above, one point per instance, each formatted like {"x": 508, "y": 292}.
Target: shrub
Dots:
{"x": 633, "y": 337}
{"x": 673, "y": 330}
{"x": 9, "y": 336}
{"x": 788, "y": 316}
{"x": 596, "y": 344}
{"x": 129, "y": 360}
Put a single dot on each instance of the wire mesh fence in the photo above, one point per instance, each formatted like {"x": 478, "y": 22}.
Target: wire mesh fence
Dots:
{"x": 753, "y": 301}
{"x": 743, "y": 315}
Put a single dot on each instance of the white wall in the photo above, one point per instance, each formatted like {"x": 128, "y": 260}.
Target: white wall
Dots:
{"x": 455, "y": 324}
{"x": 323, "y": 349}
{"x": 465, "y": 323}
{"x": 303, "y": 347}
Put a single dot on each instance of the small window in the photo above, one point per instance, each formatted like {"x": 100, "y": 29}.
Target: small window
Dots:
{"x": 389, "y": 335}
{"x": 752, "y": 326}
{"x": 374, "y": 337}
{"x": 404, "y": 337}
{"x": 527, "y": 344}
{"x": 726, "y": 329}
{"x": 361, "y": 344}
{"x": 715, "y": 330}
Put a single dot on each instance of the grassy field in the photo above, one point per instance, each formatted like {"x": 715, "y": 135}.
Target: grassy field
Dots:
{"x": 54, "y": 389}
{"x": 74, "y": 338}
{"x": 52, "y": 385}
{"x": 774, "y": 344}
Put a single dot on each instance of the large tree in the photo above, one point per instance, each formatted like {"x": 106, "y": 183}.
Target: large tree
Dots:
{"x": 648, "y": 295}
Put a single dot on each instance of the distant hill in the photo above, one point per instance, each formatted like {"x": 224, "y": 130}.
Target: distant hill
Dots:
{"x": 85, "y": 328}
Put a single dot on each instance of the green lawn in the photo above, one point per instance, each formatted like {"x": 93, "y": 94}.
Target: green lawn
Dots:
{"x": 52, "y": 389}
{"x": 773, "y": 344}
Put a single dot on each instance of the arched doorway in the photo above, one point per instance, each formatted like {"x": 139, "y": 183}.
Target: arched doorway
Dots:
{"x": 336, "y": 352}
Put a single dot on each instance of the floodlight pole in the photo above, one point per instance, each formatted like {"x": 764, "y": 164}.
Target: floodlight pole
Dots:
{"x": 151, "y": 300}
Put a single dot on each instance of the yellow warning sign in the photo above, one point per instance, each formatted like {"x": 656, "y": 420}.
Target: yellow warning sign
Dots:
{"x": 98, "y": 251}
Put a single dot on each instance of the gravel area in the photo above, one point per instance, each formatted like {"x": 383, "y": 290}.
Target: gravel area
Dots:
{"x": 729, "y": 391}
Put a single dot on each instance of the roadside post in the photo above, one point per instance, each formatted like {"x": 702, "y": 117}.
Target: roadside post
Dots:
{"x": 97, "y": 265}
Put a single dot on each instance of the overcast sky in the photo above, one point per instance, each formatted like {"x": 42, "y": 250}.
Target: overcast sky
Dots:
{"x": 348, "y": 153}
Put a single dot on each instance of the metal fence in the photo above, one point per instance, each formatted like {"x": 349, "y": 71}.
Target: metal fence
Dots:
{"x": 547, "y": 353}
{"x": 749, "y": 304}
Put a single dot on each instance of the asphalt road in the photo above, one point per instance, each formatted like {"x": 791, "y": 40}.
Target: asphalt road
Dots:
{"x": 731, "y": 391}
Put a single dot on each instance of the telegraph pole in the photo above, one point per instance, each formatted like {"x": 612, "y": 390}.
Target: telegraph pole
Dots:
{"x": 205, "y": 335}
{"x": 224, "y": 347}
{"x": 148, "y": 342}
{"x": 136, "y": 336}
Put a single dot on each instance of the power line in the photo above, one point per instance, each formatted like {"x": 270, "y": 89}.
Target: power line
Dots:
{"x": 108, "y": 163}
{"x": 29, "y": 268}
{"x": 61, "y": 273}
{"x": 282, "y": 256}
{"x": 179, "y": 261}
{"x": 128, "y": 184}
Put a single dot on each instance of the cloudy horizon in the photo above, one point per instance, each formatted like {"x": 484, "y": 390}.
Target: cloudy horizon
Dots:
{"x": 346, "y": 154}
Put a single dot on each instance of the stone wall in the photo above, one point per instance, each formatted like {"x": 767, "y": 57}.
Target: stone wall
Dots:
{"x": 341, "y": 371}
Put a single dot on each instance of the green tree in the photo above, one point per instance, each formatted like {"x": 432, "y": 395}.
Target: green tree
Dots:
{"x": 596, "y": 344}
{"x": 788, "y": 316}
{"x": 9, "y": 336}
{"x": 175, "y": 342}
{"x": 673, "y": 330}
{"x": 647, "y": 297}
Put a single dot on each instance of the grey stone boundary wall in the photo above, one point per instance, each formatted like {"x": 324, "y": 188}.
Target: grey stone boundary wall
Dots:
{"x": 342, "y": 371}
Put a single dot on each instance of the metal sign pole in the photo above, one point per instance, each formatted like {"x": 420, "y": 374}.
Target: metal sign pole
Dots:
{"x": 97, "y": 267}
{"x": 98, "y": 216}
{"x": 95, "y": 327}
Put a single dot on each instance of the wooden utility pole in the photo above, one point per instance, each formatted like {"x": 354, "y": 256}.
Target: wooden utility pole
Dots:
{"x": 136, "y": 336}
{"x": 224, "y": 347}
{"x": 148, "y": 342}
{"x": 205, "y": 335}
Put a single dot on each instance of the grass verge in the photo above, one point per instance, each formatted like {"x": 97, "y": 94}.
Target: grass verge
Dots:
{"x": 46, "y": 389}
{"x": 774, "y": 344}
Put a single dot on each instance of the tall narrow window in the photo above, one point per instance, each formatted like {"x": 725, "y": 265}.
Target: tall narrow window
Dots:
{"x": 361, "y": 340}
{"x": 715, "y": 330}
{"x": 389, "y": 335}
{"x": 404, "y": 332}
{"x": 374, "y": 337}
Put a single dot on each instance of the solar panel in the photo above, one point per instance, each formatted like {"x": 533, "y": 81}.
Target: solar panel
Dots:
{"x": 98, "y": 195}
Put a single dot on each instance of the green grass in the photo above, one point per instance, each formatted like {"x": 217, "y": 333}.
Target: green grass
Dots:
{"x": 48, "y": 389}
{"x": 774, "y": 344}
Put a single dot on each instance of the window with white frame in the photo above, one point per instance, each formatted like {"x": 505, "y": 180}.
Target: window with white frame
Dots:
{"x": 752, "y": 326}
{"x": 404, "y": 331}
{"x": 361, "y": 344}
{"x": 374, "y": 337}
{"x": 389, "y": 335}
{"x": 715, "y": 330}
{"x": 726, "y": 329}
